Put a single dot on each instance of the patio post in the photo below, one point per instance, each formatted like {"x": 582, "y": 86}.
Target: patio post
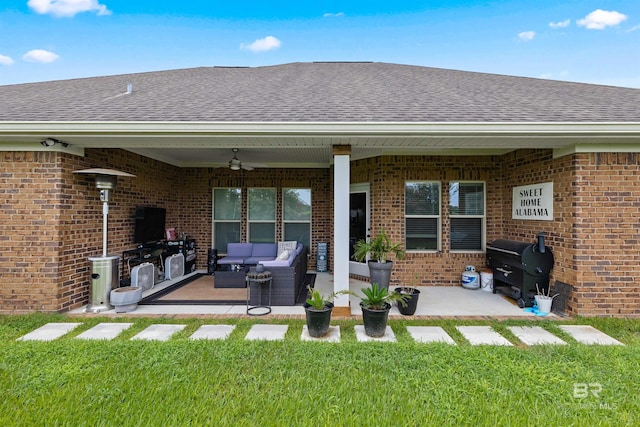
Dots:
{"x": 341, "y": 180}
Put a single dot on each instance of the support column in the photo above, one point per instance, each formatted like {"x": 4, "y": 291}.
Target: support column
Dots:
{"x": 341, "y": 181}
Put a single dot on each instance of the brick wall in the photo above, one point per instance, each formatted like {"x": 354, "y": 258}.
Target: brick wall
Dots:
{"x": 387, "y": 176}
{"x": 197, "y": 200}
{"x": 52, "y": 219}
{"x": 595, "y": 231}
{"x": 608, "y": 234}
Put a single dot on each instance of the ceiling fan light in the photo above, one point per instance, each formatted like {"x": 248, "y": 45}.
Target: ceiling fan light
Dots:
{"x": 234, "y": 166}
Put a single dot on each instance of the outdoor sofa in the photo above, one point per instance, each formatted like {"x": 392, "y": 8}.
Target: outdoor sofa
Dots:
{"x": 288, "y": 273}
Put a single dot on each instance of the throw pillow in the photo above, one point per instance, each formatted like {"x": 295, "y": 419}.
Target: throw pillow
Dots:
{"x": 283, "y": 256}
{"x": 289, "y": 246}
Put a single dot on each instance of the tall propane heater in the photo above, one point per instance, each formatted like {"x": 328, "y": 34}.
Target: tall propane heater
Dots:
{"x": 105, "y": 273}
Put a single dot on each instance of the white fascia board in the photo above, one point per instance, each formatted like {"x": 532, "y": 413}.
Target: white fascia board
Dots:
{"x": 455, "y": 129}
{"x": 596, "y": 148}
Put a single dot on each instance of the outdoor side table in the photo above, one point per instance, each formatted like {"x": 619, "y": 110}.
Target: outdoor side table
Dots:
{"x": 260, "y": 280}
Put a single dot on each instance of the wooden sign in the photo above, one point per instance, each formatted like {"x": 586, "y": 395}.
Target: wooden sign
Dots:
{"x": 533, "y": 202}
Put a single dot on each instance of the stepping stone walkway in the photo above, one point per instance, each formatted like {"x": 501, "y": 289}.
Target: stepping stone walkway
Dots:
{"x": 388, "y": 336}
{"x": 50, "y": 332}
{"x": 267, "y": 332}
{"x": 482, "y": 335}
{"x": 427, "y": 334}
{"x": 535, "y": 335}
{"x": 589, "y": 335}
{"x": 476, "y": 335}
{"x": 333, "y": 335}
{"x": 158, "y": 332}
{"x": 213, "y": 332}
{"x": 104, "y": 331}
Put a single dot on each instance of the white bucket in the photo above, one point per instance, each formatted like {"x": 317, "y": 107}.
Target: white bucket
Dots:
{"x": 486, "y": 280}
{"x": 544, "y": 303}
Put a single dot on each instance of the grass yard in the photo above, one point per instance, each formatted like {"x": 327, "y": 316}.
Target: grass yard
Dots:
{"x": 294, "y": 383}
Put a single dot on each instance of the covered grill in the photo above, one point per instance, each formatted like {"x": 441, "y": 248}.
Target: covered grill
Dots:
{"x": 518, "y": 267}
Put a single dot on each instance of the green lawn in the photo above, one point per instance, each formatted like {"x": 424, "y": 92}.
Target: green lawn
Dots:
{"x": 241, "y": 383}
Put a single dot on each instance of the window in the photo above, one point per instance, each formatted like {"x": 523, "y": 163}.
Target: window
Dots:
{"x": 227, "y": 211}
{"x": 467, "y": 214}
{"x": 261, "y": 206}
{"x": 296, "y": 215}
{"x": 422, "y": 216}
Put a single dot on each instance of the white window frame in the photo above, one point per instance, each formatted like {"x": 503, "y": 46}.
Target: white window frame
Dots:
{"x": 308, "y": 222}
{"x": 483, "y": 217}
{"x": 213, "y": 215}
{"x": 437, "y": 217}
{"x": 262, "y": 221}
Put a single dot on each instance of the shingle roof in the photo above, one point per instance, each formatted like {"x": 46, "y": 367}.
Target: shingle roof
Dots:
{"x": 318, "y": 92}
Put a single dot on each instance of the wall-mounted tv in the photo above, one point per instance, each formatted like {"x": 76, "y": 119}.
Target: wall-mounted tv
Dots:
{"x": 149, "y": 224}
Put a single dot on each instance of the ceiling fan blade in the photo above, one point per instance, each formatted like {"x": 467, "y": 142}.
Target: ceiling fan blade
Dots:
{"x": 246, "y": 167}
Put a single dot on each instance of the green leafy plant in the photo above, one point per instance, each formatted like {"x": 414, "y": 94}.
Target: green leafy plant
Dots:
{"x": 318, "y": 301}
{"x": 379, "y": 248}
{"x": 376, "y": 297}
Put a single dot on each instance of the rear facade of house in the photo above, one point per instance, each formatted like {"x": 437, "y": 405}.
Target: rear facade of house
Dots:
{"x": 436, "y": 158}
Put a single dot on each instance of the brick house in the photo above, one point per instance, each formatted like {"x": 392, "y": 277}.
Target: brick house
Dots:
{"x": 371, "y": 134}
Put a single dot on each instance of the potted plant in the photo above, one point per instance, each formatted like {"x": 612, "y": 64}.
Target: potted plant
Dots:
{"x": 411, "y": 302}
{"x": 376, "y": 303}
{"x": 379, "y": 250}
{"x": 318, "y": 310}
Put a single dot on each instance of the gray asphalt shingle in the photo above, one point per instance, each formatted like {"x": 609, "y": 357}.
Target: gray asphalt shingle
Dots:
{"x": 311, "y": 92}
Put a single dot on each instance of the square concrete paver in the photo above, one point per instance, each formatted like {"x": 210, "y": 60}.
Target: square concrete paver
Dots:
{"x": 104, "y": 331}
{"x": 426, "y": 334}
{"x": 388, "y": 336}
{"x": 213, "y": 332}
{"x": 535, "y": 335}
{"x": 49, "y": 332}
{"x": 158, "y": 332}
{"x": 333, "y": 335}
{"x": 482, "y": 335}
{"x": 589, "y": 335}
{"x": 267, "y": 332}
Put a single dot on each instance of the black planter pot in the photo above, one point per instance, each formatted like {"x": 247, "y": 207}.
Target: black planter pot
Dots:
{"x": 412, "y": 301}
{"x": 318, "y": 320}
{"x": 380, "y": 273}
{"x": 375, "y": 321}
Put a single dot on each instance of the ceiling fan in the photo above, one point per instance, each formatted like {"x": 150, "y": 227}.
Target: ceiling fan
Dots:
{"x": 235, "y": 164}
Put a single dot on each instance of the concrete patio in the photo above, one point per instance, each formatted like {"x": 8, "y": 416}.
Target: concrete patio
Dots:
{"x": 435, "y": 301}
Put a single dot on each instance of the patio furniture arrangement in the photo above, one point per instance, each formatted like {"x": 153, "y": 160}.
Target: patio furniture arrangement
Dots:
{"x": 287, "y": 262}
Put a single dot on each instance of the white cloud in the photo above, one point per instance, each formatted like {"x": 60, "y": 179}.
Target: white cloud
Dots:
{"x": 600, "y": 19}
{"x": 527, "y": 35}
{"x": 561, "y": 24}
{"x": 333, "y": 15}
{"x": 632, "y": 29}
{"x": 67, "y": 8}
{"x": 5, "y": 60}
{"x": 40, "y": 55}
{"x": 262, "y": 45}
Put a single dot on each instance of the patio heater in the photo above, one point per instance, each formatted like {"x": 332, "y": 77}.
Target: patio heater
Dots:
{"x": 105, "y": 273}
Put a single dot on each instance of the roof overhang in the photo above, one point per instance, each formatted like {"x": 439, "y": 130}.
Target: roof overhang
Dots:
{"x": 308, "y": 144}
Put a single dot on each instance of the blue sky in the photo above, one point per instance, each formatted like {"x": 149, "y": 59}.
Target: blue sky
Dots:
{"x": 583, "y": 41}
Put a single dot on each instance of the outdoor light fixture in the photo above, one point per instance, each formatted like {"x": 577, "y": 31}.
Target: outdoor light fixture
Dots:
{"x": 50, "y": 142}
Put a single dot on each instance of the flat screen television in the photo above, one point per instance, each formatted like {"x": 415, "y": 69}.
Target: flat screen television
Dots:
{"x": 149, "y": 224}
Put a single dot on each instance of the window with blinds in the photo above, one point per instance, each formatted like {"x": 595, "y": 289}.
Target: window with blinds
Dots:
{"x": 422, "y": 216}
{"x": 467, "y": 216}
